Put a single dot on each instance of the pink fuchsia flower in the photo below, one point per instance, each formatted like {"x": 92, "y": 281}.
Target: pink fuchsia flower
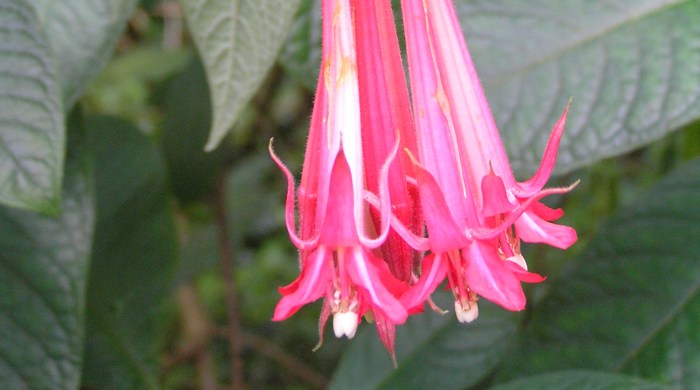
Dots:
{"x": 386, "y": 120}
{"x": 470, "y": 197}
{"x": 336, "y": 250}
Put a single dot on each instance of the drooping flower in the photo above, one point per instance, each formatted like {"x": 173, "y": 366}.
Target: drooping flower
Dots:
{"x": 476, "y": 212}
{"x": 386, "y": 120}
{"x": 337, "y": 251}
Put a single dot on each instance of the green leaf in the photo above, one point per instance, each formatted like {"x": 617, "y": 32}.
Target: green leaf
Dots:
{"x": 432, "y": 351}
{"x": 32, "y": 139}
{"x": 193, "y": 173}
{"x": 133, "y": 259}
{"x": 43, "y": 269}
{"x": 630, "y": 67}
{"x": 238, "y": 41}
{"x": 631, "y": 302}
{"x": 82, "y": 34}
{"x": 580, "y": 380}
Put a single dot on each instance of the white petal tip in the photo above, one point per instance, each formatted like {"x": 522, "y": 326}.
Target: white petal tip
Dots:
{"x": 519, "y": 260}
{"x": 345, "y": 324}
{"x": 468, "y": 314}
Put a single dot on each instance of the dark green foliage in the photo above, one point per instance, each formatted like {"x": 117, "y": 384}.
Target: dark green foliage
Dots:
{"x": 106, "y": 220}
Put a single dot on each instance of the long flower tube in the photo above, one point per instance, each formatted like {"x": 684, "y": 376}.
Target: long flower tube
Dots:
{"x": 338, "y": 252}
{"x": 386, "y": 120}
{"x": 476, "y": 212}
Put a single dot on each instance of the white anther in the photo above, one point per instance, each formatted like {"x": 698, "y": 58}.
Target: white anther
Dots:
{"x": 466, "y": 314}
{"x": 345, "y": 324}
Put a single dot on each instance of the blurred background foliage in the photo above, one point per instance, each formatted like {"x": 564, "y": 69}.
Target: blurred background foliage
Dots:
{"x": 156, "y": 81}
{"x": 188, "y": 223}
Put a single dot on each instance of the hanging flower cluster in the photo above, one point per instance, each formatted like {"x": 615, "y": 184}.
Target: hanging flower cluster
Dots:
{"x": 380, "y": 171}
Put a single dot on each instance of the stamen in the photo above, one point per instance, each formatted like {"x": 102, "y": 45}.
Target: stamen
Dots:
{"x": 345, "y": 324}
{"x": 466, "y": 312}
{"x": 455, "y": 257}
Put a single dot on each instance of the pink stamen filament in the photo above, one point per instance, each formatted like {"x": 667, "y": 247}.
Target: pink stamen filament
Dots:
{"x": 342, "y": 293}
{"x": 459, "y": 289}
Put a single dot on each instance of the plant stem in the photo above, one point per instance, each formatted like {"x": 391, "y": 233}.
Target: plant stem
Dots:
{"x": 234, "y": 334}
{"x": 289, "y": 362}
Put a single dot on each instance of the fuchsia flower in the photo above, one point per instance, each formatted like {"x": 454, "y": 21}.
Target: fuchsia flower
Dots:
{"x": 386, "y": 119}
{"x": 339, "y": 259}
{"x": 469, "y": 194}
{"x": 363, "y": 206}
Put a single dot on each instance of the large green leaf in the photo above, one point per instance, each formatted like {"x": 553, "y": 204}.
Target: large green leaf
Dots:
{"x": 631, "y": 302}
{"x": 32, "y": 138}
{"x": 43, "y": 268}
{"x": 580, "y": 380}
{"x": 630, "y": 67}
{"x": 432, "y": 351}
{"x": 133, "y": 259}
{"x": 82, "y": 34}
{"x": 238, "y": 41}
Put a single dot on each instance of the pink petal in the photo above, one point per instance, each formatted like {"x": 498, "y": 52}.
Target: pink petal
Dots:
{"x": 291, "y": 287}
{"x": 364, "y": 271}
{"x": 546, "y": 213}
{"x": 443, "y": 232}
{"x": 490, "y": 277}
{"x": 514, "y": 216}
{"x": 537, "y": 182}
{"x": 384, "y": 208}
{"x": 433, "y": 273}
{"x": 312, "y": 284}
{"x": 339, "y": 227}
{"x": 322, "y": 319}
{"x": 305, "y": 241}
{"x": 522, "y": 274}
{"x": 494, "y": 196}
{"x": 532, "y": 228}
{"x": 395, "y": 286}
{"x": 386, "y": 331}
